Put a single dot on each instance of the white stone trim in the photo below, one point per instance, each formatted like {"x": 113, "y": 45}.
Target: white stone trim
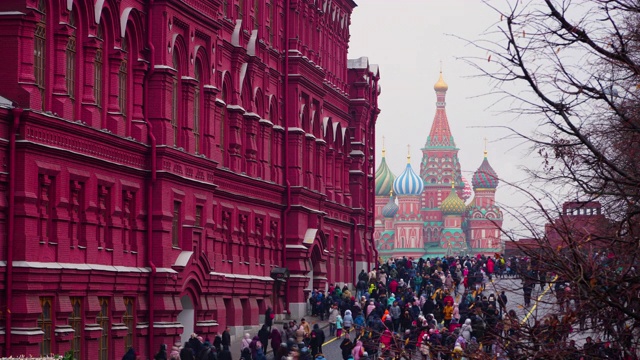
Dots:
{"x": 183, "y": 258}
{"x": 26, "y": 331}
{"x": 239, "y": 276}
{"x": 301, "y": 247}
{"x": 166, "y": 325}
{"x": 84, "y": 267}
{"x": 207, "y": 323}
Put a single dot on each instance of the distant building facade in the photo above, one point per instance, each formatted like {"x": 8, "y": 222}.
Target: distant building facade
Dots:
{"x": 426, "y": 215}
{"x": 162, "y": 158}
{"x": 581, "y": 224}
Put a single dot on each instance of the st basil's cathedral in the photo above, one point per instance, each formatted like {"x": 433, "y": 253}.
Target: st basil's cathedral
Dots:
{"x": 437, "y": 212}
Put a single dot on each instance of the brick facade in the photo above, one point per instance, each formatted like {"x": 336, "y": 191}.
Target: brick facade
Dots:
{"x": 162, "y": 157}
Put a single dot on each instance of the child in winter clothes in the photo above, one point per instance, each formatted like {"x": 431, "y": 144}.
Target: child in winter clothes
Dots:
{"x": 339, "y": 325}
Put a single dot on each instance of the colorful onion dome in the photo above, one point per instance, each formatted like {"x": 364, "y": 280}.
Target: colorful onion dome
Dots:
{"x": 453, "y": 205}
{"x": 391, "y": 209}
{"x": 408, "y": 183}
{"x": 485, "y": 177}
{"x": 384, "y": 178}
{"x": 441, "y": 85}
{"x": 466, "y": 192}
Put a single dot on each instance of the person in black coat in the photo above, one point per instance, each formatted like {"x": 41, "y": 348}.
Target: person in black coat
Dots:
{"x": 187, "y": 352}
{"x": 264, "y": 336}
{"x": 217, "y": 342}
{"x": 268, "y": 317}
{"x": 131, "y": 355}
{"x": 225, "y": 354}
{"x": 226, "y": 338}
{"x": 317, "y": 339}
{"x": 346, "y": 346}
{"x": 162, "y": 353}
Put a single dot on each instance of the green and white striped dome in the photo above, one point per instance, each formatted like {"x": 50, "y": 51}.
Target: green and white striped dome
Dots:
{"x": 384, "y": 178}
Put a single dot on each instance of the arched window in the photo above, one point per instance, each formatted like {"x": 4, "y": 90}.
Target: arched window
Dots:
{"x": 174, "y": 97}
{"x": 225, "y": 8}
{"x": 40, "y": 52}
{"x": 70, "y": 75}
{"x": 197, "y": 111}
{"x": 270, "y": 6}
{"x": 123, "y": 79}
{"x": 223, "y": 120}
{"x": 98, "y": 70}
{"x": 256, "y": 14}
{"x": 46, "y": 325}
{"x": 240, "y": 10}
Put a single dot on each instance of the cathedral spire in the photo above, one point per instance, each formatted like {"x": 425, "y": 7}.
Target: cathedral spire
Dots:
{"x": 440, "y": 134}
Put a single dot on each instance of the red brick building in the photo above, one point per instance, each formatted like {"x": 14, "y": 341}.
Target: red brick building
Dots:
{"x": 580, "y": 224}
{"x": 162, "y": 157}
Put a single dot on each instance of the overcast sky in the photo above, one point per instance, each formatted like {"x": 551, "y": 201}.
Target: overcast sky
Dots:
{"x": 408, "y": 39}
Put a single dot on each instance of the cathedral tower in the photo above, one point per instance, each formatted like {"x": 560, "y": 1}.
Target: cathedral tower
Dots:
{"x": 484, "y": 216}
{"x": 439, "y": 167}
{"x": 408, "y": 225}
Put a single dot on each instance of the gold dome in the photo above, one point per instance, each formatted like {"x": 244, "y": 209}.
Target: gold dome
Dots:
{"x": 441, "y": 85}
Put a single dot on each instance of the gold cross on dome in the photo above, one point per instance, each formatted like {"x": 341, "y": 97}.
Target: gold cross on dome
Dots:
{"x": 485, "y": 147}
{"x": 384, "y": 151}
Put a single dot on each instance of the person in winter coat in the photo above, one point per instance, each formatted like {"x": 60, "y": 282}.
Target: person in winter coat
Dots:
{"x": 456, "y": 312}
{"x": 276, "y": 339}
{"x": 264, "y": 336}
{"x": 268, "y": 317}
{"x": 260, "y": 354}
{"x": 339, "y": 323}
{"x": 307, "y": 328}
{"x": 253, "y": 346}
{"x": 358, "y": 350}
{"x": 346, "y": 346}
{"x": 348, "y": 321}
{"x": 385, "y": 339}
{"x": 466, "y": 330}
{"x": 246, "y": 341}
{"x": 448, "y": 314}
{"x": 395, "y": 313}
{"x": 225, "y": 354}
{"x": 424, "y": 347}
{"x": 406, "y": 320}
{"x": 358, "y": 322}
{"x": 317, "y": 339}
{"x": 371, "y": 307}
{"x": 385, "y": 316}
{"x": 333, "y": 316}
{"x": 196, "y": 343}
{"x": 300, "y": 335}
{"x": 131, "y": 354}
{"x": 162, "y": 353}
{"x": 245, "y": 354}
{"x": 282, "y": 352}
{"x": 187, "y": 352}
{"x": 226, "y": 337}
{"x": 502, "y": 302}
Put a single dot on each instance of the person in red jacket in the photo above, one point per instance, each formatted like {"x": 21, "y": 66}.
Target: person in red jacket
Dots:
{"x": 385, "y": 340}
{"x": 393, "y": 286}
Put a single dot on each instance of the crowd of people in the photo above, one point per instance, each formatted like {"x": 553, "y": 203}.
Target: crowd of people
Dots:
{"x": 428, "y": 309}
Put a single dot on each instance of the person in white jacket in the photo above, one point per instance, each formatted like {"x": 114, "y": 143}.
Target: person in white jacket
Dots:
{"x": 466, "y": 330}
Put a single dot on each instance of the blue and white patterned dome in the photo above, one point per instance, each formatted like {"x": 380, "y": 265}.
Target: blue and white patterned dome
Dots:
{"x": 408, "y": 183}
